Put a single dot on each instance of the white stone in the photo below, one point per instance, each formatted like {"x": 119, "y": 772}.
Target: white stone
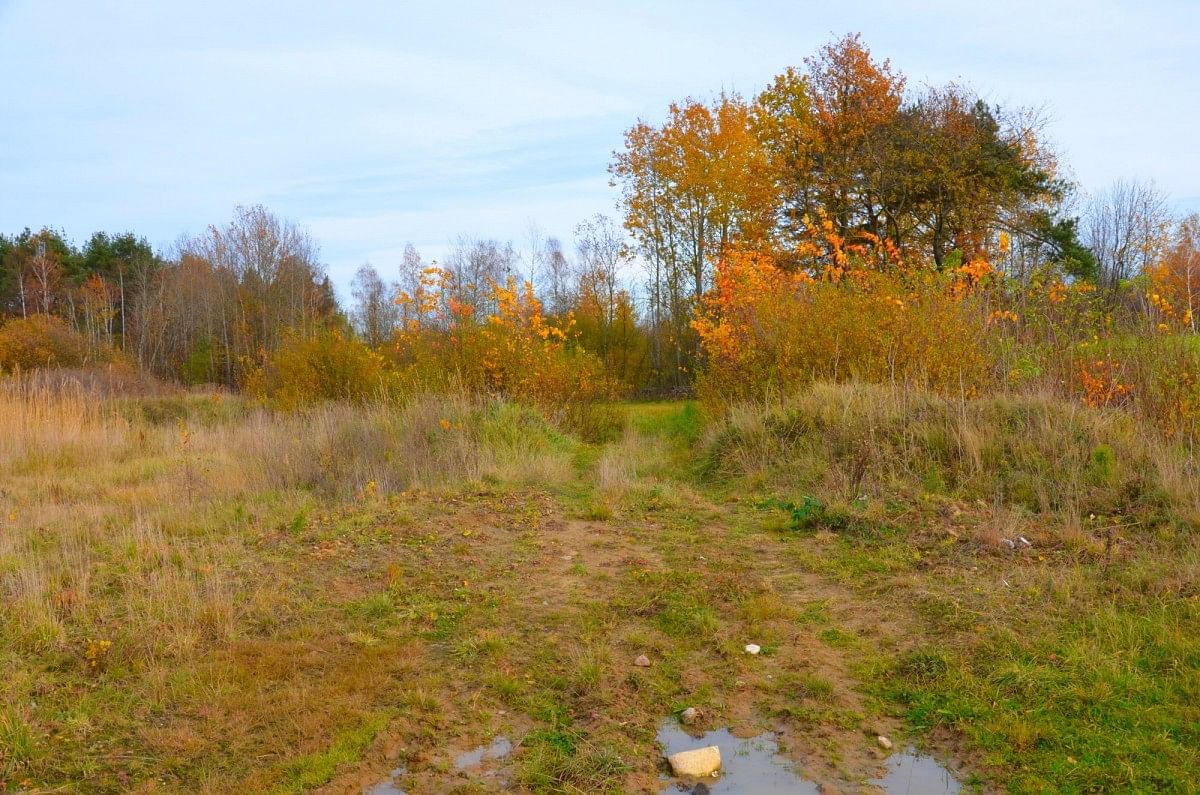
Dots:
{"x": 753, "y": 648}
{"x": 696, "y": 763}
{"x": 884, "y": 742}
{"x": 689, "y": 716}
{"x": 642, "y": 661}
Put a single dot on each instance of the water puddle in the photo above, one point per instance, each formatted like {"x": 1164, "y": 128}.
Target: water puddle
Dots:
{"x": 387, "y": 786}
{"x": 910, "y": 773}
{"x": 756, "y": 766}
{"x": 499, "y": 749}
{"x": 751, "y": 765}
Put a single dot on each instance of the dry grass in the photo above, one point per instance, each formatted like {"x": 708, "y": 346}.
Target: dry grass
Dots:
{"x": 221, "y": 599}
{"x": 132, "y": 538}
{"x": 1031, "y": 454}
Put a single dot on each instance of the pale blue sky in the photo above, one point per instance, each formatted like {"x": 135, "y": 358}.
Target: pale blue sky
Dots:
{"x": 376, "y": 123}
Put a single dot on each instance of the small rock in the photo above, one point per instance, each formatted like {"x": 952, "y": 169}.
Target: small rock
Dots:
{"x": 753, "y": 648}
{"x": 642, "y": 661}
{"x": 884, "y": 742}
{"x": 689, "y": 716}
{"x": 696, "y": 763}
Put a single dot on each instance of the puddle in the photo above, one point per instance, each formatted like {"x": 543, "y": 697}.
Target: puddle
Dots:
{"x": 387, "y": 786}
{"x": 499, "y": 748}
{"x": 747, "y": 766}
{"x": 916, "y": 774}
{"x": 756, "y": 766}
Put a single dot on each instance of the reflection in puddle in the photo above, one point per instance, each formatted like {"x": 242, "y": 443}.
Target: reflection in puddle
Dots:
{"x": 917, "y": 774}
{"x": 747, "y": 766}
{"x": 388, "y": 786}
{"x": 499, "y": 748}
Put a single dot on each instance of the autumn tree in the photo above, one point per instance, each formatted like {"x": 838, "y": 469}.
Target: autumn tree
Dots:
{"x": 841, "y": 164}
{"x": 473, "y": 267}
{"x": 689, "y": 188}
{"x": 1175, "y": 280}
{"x": 556, "y": 283}
{"x": 128, "y": 265}
{"x": 234, "y": 293}
{"x": 604, "y": 314}
{"x": 375, "y": 314}
{"x": 936, "y": 172}
{"x": 34, "y": 271}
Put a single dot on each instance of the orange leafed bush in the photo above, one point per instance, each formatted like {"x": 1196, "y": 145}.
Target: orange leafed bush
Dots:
{"x": 513, "y": 351}
{"x": 43, "y": 341}
{"x": 1102, "y": 384}
{"x": 853, "y": 312}
{"x": 328, "y": 365}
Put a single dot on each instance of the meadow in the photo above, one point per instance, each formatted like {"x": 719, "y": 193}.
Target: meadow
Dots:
{"x": 204, "y": 595}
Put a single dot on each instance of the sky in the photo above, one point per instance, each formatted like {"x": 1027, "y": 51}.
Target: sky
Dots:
{"x": 373, "y": 124}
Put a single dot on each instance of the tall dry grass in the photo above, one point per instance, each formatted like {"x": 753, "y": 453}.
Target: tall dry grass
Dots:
{"x": 1033, "y": 453}
{"x": 127, "y": 519}
{"x": 40, "y": 421}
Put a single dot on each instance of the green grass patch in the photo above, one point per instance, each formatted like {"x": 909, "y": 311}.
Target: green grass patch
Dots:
{"x": 313, "y": 770}
{"x": 1100, "y": 702}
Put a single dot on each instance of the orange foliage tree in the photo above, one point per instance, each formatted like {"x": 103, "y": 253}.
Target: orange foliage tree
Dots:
{"x": 690, "y": 187}
{"x": 1175, "y": 281}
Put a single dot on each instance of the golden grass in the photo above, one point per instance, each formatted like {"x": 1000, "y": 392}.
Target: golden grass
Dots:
{"x": 136, "y": 536}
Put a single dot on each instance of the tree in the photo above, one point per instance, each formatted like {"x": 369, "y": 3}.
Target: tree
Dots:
{"x": 1126, "y": 228}
{"x": 376, "y": 315}
{"x": 35, "y": 271}
{"x": 937, "y": 173}
{"x": 556, "y": 283}
{"x": 127, "y": 263}
{"x": 604, "y": 314}
{"x": 852, "y": 102}
{"x": 602, "y": 257}
{"x": 1176, "y": 280}
{"x": 237, "y": 291}
{"x": 474, "y": 266}
{"x": 690, "y": 187}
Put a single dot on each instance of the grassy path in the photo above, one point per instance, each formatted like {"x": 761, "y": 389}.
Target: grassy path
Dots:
{"x": 532, "y": 608}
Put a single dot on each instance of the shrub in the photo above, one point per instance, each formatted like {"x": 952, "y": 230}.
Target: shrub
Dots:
{"x": 328, "y": 365}
{"x": 766, "y": 329}
{"x": 41, "y": 341}
{"x": 515, "y": 352}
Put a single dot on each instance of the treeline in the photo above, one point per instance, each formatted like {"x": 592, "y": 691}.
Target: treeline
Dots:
{"x": 838, "y": 159}
{"x": 582, "y": 288}
{"x": 207, "y": 313}
{"x": 222, "y": 303}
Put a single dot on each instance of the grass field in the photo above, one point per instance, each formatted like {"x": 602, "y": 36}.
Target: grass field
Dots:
{"x": 201, "y": 597}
